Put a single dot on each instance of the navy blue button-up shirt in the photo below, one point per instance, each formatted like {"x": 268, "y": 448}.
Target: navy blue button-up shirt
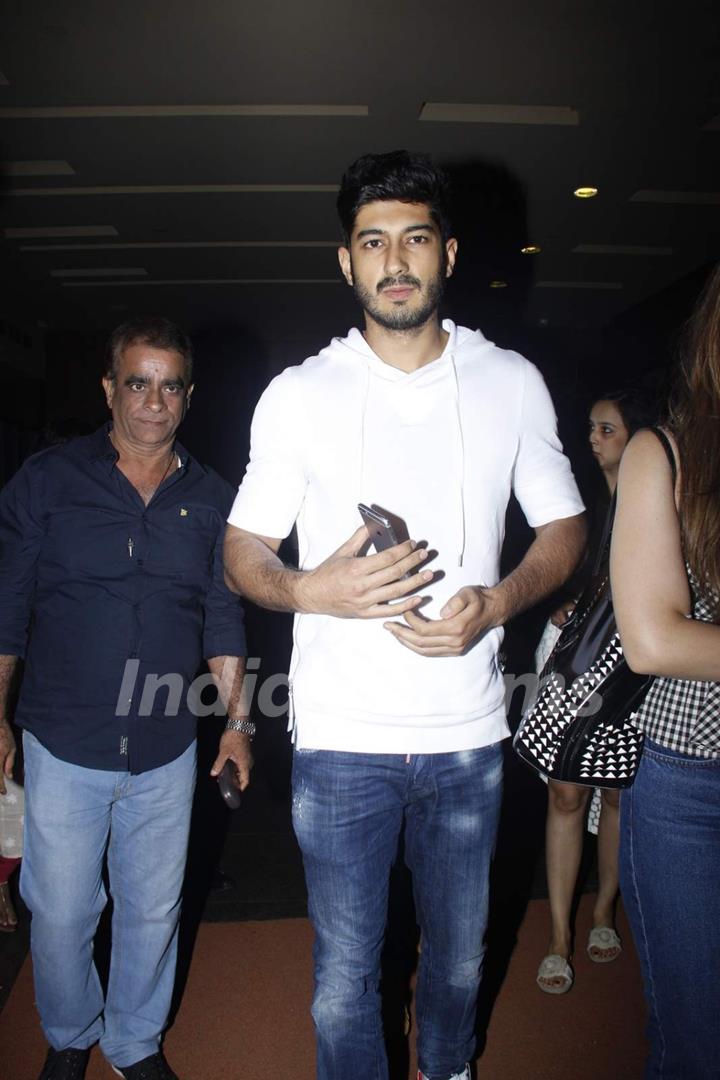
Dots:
{"x": 103, "y": 595}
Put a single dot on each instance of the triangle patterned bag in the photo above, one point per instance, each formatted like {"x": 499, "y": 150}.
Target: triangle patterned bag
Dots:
{"x": 580, "y": 728}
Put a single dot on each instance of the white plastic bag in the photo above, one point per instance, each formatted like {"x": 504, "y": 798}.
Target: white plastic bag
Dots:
{"x": 12, "y": 818}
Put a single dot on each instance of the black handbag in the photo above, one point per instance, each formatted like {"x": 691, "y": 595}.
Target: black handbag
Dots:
{"x": 580, "y": 728}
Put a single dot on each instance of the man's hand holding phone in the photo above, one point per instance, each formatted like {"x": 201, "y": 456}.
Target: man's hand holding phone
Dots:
{"x": 361, "y": 588}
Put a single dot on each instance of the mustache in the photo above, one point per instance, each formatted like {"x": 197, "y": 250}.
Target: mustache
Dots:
{"x": 394, "y": 282}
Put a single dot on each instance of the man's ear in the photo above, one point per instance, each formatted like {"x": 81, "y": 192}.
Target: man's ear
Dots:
{"x": 108, "y": 386}
{"x": 345, "y": 264}
{"x": 450, "y": 256}
{"x": 186, "y": 399}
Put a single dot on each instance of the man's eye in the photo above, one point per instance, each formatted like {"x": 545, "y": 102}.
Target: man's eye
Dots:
{"x": 172, "y": 389}
{"x": 418, "y": 239}
{"x": 137, "y": 386}
{"x": 373, "y": 243}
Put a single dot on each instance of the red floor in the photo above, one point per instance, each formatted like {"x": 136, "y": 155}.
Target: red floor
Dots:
{"x": 245, "y": 1013}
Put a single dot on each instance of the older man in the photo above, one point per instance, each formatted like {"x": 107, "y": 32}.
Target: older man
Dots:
{"x": 110, "y": 580}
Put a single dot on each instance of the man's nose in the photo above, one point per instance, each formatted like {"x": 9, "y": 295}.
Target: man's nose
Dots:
{"x": 154, "y": 398}
{"x": 395, "y": 258}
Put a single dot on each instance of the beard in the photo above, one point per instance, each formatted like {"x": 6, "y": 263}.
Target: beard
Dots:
{"x": 402, "y": 316}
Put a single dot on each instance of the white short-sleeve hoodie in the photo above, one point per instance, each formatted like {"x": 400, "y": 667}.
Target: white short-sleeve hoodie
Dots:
{"x": 441, "y": 447}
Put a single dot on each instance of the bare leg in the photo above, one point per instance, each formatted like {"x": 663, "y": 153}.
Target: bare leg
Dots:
{"x": 563, "y": 849}
{"x": 8, "y": 917}
{"x": 608, "y": 845}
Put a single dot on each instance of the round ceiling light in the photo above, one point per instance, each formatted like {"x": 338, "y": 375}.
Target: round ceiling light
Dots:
{"x": 585, "y": 192}
{"x": 530, "y": 249}
{"x": 497, "y": 284}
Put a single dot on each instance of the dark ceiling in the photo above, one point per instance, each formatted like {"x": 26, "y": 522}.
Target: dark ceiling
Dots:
{"x": 621, "y": 96}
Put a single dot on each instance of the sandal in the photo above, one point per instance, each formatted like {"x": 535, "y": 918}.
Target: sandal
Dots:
{"x": 8, "y": 917}
{"x": 555, "y": 966}
{"x": 603, "y": 939}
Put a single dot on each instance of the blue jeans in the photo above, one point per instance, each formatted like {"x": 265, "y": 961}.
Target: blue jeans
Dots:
{"x": 348, "y": 811}
{"x": 670, "y": 878}
{"x": 72, "y": 816}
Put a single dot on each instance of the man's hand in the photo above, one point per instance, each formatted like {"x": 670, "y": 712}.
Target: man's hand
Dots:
{"x": 462, "y": 620}
{"x": 361, "y": 588}
{"x": 235, "y": 747}
{"x": 7, "y": 754}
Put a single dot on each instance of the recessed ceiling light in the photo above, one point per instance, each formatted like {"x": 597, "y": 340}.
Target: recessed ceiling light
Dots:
{"x": 202, "y": 281}
{"x": 531, "y": 249}
{"x": 165, "y": 245}
{"x": 470, "y": 113}
{"x": 620, "y": 249}
{"x": 33, "y": 112}
{"x": 578, "y": 285}
{"x": 497, "y": 284}
{"x": 38, "y": 168}
{"x": 101, "y": 271}
{"x": 51, "y": 232}
{"x": 179, "y": 189}
{"x": 585, "y": 192}
{"x": 680, "y": 198}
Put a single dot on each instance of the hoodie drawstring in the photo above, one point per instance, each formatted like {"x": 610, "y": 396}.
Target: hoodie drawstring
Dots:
{"x": 363, "y": 415}
{"x": 461, "y": 466}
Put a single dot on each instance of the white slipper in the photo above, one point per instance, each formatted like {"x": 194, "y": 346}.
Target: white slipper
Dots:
{"x": 603, "y": 938}
{"x": 555, "y": 966}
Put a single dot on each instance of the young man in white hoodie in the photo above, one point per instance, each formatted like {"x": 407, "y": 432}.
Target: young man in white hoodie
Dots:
{"x": 396, "y": 694}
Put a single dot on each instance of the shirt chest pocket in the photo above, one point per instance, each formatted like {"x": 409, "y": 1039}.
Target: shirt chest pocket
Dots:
{"x": 179, "y": 542}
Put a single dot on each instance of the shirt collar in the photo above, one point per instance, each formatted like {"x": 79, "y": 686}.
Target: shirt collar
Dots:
{"x": 102, "y": 449}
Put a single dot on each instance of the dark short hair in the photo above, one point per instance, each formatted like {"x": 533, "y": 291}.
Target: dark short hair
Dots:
{"x": 399, "y": 175}
{"x": 637, "y": 407}
{"x": 153, "y": 330}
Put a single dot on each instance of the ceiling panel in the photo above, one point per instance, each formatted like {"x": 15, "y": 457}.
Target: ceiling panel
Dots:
{"x": 641, "y": 79}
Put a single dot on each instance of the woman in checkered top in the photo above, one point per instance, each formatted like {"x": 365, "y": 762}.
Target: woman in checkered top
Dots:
{"x": 665, "y": 573}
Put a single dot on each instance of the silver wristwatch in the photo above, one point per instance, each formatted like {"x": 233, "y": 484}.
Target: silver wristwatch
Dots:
{"x": 247, "y": 727}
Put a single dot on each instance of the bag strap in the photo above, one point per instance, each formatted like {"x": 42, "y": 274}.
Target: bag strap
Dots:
{"x": 603, "y": 551}
{"x": 668, "y": 450}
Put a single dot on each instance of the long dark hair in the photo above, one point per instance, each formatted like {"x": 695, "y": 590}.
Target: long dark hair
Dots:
{"x": 695, "y": 422}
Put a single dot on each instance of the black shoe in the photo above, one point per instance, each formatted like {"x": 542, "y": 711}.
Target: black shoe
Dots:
{"x": 154, "y": 1067}
{"x": 67, "y": 1064}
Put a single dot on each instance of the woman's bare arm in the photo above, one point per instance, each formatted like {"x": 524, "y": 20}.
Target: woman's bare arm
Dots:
{"x": 650, "y": 589}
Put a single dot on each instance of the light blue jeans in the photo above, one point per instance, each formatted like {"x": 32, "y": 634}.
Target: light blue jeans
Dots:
{"x": 348, "y": 810}
{"x": 670, "y": 878}
{"x": 73, "y": 815}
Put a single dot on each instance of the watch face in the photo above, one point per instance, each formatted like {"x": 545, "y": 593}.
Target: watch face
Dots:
{"x": 226, "y": 783}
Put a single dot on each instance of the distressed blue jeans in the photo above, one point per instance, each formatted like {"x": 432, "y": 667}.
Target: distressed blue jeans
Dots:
{"x": 670, "y": 878}
{"x": 72, "y": 816}
{"x": 348, "y": 811}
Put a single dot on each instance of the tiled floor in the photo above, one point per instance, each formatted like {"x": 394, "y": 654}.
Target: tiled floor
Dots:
{"x": 256, "y": 848}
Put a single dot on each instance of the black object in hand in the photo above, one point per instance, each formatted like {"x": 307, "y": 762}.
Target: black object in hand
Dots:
{"x": 228, "y": 788}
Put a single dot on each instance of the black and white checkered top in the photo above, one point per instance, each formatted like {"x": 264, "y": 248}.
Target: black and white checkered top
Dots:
{"x": 682, "y": 714}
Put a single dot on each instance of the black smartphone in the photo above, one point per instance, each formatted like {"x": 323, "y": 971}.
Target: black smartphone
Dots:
{"x": 385, "y": 529}
{"x": 226, "y": 784}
